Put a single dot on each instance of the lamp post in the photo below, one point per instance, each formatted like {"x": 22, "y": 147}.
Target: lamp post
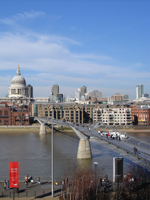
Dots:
{"x": 52, "y": 153}
{"x": 95, "y": 163}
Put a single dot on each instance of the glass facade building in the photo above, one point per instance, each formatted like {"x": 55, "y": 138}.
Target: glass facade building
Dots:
{"x": 139, "y": 91}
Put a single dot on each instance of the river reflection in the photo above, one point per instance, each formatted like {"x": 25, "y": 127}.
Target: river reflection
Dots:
{"x": 33, "y": 152}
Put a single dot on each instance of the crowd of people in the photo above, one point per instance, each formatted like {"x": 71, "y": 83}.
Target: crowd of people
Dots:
{"x": 27, "y": 179}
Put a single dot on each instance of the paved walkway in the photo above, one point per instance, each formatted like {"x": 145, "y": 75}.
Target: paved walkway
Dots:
{"x": 34, "y": 191}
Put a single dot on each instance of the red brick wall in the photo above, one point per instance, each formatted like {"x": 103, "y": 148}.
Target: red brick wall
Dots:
{"x": 143, "y": 115}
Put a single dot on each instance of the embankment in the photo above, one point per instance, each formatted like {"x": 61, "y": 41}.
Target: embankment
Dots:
{"x": 36, "y": 129}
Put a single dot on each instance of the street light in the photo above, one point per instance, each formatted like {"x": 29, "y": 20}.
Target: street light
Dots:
{"x": 95, "y": 163}
{"x": 52, "y": 153}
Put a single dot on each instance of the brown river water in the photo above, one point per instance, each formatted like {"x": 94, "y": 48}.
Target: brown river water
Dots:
{"x": 33, "y": 152}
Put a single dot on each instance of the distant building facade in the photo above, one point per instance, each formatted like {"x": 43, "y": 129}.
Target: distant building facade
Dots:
{"x": 117, "y": 99}
{"x": 139, "y": 91}
{"x": 112, "y": 115}
{"x": 69, "y": 111}
{"x": 55, "y": 90}
{"x": 11, "y": 114}
{"x": 55, "y": 96}
{"x": 80, "y": 93}
{"x": 140, "y": 115}
{"x": 30, "y": 91}
{"x": 83, "y": 92}
{"x": 145, "y": 95}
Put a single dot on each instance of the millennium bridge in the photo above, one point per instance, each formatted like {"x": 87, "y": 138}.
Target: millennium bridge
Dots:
{"x": 142, "y": 157}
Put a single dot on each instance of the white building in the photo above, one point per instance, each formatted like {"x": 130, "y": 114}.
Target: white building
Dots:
{"x": 78, "y": 94}
{"x": 139, "y": 91}
{"x": 112, "y": 115}
{"x": 21, "y": 93}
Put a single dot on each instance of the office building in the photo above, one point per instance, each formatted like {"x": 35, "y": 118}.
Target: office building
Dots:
{"x": 139, "y": 91}
{"x": 118, "y": 98}
{"x": 78, "y": 94}
{"x": 55, "y": 90}
{"x": 83, "y": 92}
{"x": 146, "y": 95}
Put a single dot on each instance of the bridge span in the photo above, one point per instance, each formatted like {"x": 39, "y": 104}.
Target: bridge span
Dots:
{"x": 84, "y": 133}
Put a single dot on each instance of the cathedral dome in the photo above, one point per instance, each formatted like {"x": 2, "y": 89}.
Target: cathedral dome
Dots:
{"x": 18, "y": 79}
{"x": 18, "y": 90}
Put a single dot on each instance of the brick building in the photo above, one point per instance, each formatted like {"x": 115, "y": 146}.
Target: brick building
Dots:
{"x": 12, "y": 114}
{"x": 140, "y": 114}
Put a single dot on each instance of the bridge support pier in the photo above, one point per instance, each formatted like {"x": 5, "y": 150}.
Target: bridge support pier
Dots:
{"x": 42, "y": 129}
{"x": 84, "y": 149}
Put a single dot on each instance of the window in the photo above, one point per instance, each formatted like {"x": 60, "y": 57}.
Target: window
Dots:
{"x": 46, "y": 113}
{"x": 5, "y": 112}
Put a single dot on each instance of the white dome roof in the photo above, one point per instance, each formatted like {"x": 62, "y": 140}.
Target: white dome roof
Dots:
{"x": 18, "y": 79}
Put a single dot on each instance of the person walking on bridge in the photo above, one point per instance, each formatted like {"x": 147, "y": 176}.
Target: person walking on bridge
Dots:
{"x": 135, "y": 150}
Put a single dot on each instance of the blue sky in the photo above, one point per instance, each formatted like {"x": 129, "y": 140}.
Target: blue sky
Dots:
{"x": 103, "y": 45}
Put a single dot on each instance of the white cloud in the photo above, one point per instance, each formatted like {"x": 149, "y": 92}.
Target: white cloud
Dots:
{"x": 48, "y": 60}
{"x": 25, "y": 15}
{"x": 13, "y": 19}
{"x": 43, "y": 55}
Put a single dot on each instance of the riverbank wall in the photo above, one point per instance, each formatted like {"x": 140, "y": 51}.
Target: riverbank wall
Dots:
{"x": 36, "y": 128}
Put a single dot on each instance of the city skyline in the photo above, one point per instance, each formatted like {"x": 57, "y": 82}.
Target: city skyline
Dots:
{"x": 102, "y": 45}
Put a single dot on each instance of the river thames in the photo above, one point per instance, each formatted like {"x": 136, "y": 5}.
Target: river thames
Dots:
{"x": 33, "y": 152}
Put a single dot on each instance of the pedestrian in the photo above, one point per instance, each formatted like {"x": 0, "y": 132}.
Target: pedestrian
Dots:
{"x": 26, "y": 180}
{"x": 38, "y": 181}
{"x": 67, "y": 181}
{"x": 63, "y": 184}
{"x": 105, "y": 186}
{"x": 100, "y": 180}
{"x": 135, "y": 150}
{"x": 5, "y": 185}
{"x": 8, "y": 184}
